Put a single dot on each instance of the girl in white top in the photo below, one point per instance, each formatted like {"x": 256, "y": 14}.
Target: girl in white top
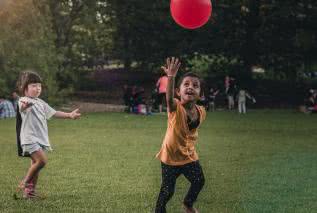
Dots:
{"x": 33, "y": 131}
{"x": 242, "y": 98}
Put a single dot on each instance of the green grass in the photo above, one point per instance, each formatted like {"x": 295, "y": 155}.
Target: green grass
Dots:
{"x": 265, "y": 161}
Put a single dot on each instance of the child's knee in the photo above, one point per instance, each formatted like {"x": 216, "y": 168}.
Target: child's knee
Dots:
{"x": 42, "y": 163}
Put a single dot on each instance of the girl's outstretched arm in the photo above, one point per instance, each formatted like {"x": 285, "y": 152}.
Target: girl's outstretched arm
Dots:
{"x": 71, "y": 115}
{"x": 171, "y": 68}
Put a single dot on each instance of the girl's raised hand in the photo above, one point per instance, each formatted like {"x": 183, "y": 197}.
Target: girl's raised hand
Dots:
{"x": 172, "y": 66}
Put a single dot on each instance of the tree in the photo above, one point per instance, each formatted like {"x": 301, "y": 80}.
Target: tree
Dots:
{"x": 26, "y": 42}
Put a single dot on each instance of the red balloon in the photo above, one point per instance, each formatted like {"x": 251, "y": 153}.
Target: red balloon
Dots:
{"x": 191, "y": 14}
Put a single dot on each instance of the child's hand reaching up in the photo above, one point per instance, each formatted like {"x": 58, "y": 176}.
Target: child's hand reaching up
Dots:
{"x": 172, "y": 66}
{"x": 171, "y": 69}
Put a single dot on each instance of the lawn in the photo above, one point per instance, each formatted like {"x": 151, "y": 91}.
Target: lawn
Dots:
{"x": 265, "y": 161}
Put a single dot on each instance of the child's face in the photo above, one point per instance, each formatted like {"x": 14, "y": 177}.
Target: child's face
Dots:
{"x": 34, "y": 90}
{"x": 189, "y": 90}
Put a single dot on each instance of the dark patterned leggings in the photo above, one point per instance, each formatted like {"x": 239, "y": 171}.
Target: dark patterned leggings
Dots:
{"x": 193, "y": 173}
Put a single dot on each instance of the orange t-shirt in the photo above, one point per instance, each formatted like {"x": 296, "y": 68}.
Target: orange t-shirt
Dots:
{"x": 162, "y": 84}
{"x": 178, "y": 146}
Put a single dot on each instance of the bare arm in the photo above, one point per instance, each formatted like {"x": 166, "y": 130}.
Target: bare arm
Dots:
{"x": 171, "y": 68}
{"x": 171, "y": 105}
{"x": 158, "y": 83}
{"x": 248, "y": 95}
{"x": 70, "y": 115}
{"x": 251, "y": 97}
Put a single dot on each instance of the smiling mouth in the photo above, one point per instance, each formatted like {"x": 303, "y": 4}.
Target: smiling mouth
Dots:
{"x": 189, "y": 94}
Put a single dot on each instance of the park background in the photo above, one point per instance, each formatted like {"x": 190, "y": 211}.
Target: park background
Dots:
{"x": 81, "y": 46}
{"x": 86, "y": 50}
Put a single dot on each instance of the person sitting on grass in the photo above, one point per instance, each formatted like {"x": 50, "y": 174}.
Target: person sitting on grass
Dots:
{"x": 6, "y": 109}
{"x": 312, "y": 104}
{"x": 32, "y": 131}
{"x": 177, "y": 154}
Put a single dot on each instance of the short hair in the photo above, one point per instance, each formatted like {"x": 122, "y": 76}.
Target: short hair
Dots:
{"x": 188, "y": 74}
{"x": 27, "y": 77}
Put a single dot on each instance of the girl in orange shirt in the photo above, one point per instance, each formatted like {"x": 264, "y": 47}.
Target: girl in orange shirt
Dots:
{"x": 178, "y": 155}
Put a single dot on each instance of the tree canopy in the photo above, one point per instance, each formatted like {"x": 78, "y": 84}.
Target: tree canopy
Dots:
{"x": 63, "y": 39}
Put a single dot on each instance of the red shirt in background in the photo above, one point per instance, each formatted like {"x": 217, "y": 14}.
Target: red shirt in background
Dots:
{"x": 162, "y": 84}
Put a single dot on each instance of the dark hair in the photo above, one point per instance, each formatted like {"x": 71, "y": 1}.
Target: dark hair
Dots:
{"x": 188, "y": 74}
{"x": 26, "y": 78}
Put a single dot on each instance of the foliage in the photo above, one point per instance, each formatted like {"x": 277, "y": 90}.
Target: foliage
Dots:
{"x": 71, "y": 37}
{"x": 26, "y": 42}
{"x": 213, "y": 65}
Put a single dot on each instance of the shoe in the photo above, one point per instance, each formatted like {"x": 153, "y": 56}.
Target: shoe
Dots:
{"x": 33, "y": 195}
{"x": 30, "y": 193}
{"x": 189, "y": 209}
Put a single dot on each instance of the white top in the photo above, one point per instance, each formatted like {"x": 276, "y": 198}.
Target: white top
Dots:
{"x": 242, "y": 96}
{"x": 34, "y": 121}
